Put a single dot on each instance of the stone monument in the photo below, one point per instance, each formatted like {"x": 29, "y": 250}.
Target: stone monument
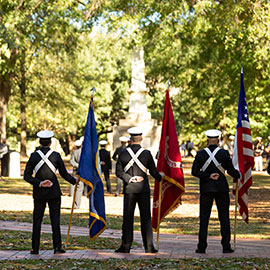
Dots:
{"x": 138, "y": 114}
{"x": 14, "y": 165}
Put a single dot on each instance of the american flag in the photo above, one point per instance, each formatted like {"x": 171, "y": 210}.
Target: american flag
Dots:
{"x": 243, "y": 158}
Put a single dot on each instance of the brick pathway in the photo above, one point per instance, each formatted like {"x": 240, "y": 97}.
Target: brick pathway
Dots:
{"x": 171, "y": 246}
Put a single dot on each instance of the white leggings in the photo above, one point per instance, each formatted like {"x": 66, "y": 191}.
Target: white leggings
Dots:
{"x": 258, "y": 163}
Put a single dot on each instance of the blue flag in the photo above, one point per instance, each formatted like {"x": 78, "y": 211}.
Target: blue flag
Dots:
{"x": 90, "y": 173}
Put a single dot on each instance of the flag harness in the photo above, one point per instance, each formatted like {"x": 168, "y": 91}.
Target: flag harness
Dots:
{"x": 134, "y": 159}
{"x": 212, "y": 158}
{"x": 45, "y": 159}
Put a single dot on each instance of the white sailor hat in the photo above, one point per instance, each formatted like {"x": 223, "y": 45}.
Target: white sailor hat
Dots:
{"x": 124, "y": 139}
{"x": 258, "y": 138}
{"x": 135, "y": 131}
{"x": 212, "y": 133}
{"x": 103, "y": 142}
{"x": 45, "y": 134}
{"x": 268, "y": 137}
{"x": 231, "y": 137}
{"x": 78, "y": 143}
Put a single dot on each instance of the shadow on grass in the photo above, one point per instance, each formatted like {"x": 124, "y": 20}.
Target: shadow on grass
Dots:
{"x": 20, "y": 186}
{"x": 18, "y": 240}
{"x": 257, "y": 228}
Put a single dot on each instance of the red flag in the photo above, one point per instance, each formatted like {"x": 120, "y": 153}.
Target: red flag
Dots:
{"x": 243, "y": 159}
{"x": 170, "y": 163}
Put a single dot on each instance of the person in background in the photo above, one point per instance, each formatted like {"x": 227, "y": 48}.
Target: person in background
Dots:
{"x": 209, "y": 166}
{"x": 268, "y": 168}
{"x": 74, "y": 161}
{"x": 183, "y": 149}
{"x": 85, "y": 190}
{"x": 46, "y": 189}
{"x": 231, "y": 145}
{"x": 129, "y": 141}
{"x": 189, "y": 147}
{"x": 4, "y": 157}
{"x": 106, "y": 164}
{"x": 267, "y": 152}
{"x": 116, "y": 153}
{"x": 132, "y": 165}
{"x": 258, "y": 153}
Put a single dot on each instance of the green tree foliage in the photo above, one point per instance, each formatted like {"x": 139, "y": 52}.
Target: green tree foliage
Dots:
{"x": 104, "y": 62}
{"x": 58, "y": 90}
{"x": 200, "y": 47}
{"x": 27, "y": 27}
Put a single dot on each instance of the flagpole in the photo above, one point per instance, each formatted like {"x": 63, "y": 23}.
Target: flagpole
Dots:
{"x": 235, "y": 213}
{"x": 71, "y": 213}
{"x": 159, "y": 206}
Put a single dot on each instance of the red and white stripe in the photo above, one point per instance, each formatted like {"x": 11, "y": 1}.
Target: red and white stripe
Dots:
{"x": 243, "y": 160}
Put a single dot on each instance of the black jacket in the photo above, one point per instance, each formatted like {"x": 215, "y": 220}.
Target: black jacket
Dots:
{"x": 117, "y": 152}
{"x": 105, "y": 156}
{"x": 206, "y": 183}
{"x": 44, "y": 193}
{"x": 147, "y": 160}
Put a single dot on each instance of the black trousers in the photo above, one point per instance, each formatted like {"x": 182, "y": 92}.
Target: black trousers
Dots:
{"x": 54, "y": 209}
{"x": 5, "y": 165}
{"x": 108, "y": 182}
{"x": 143, "y": 200}
{"x": 222, "y": 200}
{"x": 118, "y": 186}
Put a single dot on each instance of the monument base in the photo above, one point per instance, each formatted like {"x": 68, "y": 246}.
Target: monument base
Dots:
{"x": 151, "y": 133}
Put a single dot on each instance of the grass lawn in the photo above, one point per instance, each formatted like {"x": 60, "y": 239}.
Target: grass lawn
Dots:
{"x": 259, "y": 208}
{"x": 256, "y": 228}
{"x": 19, "y": 240}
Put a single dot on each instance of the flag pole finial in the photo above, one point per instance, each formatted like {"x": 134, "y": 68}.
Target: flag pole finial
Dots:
{"x": 93, "y": 90}
{"x": 242, "y": 69}
{"x": 168, "y": 83}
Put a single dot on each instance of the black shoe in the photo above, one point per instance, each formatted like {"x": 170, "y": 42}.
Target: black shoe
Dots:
{"x": 121, "y": 250}
{"x": 230, "y": 250}
{"x": 200, "y": 251}
{"x": 153, "y": 250}
{"x": 35, "y": 252}
{"x": 59, "y": 251}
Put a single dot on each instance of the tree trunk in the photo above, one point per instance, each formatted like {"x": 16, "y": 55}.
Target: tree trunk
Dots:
{"x": 5, "y": 87}
{"x": 22, "y": 86}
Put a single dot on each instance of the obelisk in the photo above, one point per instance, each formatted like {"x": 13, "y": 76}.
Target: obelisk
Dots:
{"x": 138, "y": 91}
{"x": 138, "y": 114}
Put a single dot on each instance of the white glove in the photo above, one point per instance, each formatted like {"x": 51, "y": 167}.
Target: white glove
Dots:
{"x": 162, "y": 175}
{"x": 135, "y": 179}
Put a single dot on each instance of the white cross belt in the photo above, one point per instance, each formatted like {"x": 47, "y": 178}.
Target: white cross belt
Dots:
{"x": 134, "y": 159}
{"x": 45, "y": 159}
{"x": 212, "y": 158}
